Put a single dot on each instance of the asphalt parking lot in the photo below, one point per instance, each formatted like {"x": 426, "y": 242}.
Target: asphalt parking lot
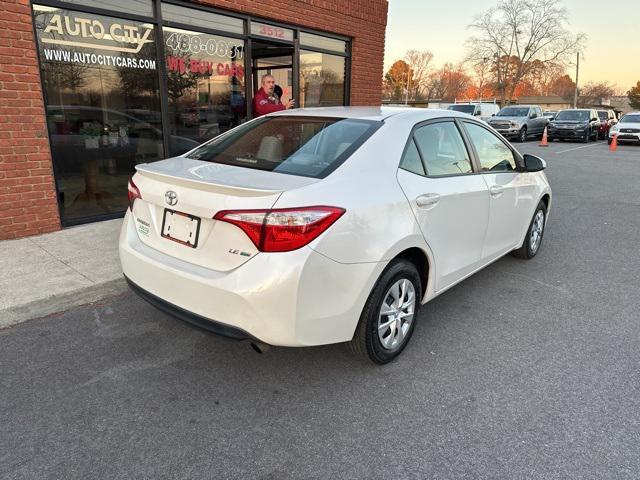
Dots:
{"x": 525, "y": 370}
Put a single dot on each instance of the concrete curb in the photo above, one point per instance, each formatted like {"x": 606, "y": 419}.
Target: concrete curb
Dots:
{"x": 59, "y": 303}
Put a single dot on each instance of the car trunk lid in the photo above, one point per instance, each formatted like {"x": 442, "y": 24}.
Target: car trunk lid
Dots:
{"x": 180, "y": 197}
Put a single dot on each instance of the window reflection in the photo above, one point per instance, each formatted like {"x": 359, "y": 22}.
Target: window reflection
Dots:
{"x": 321, "y": 79}
{"x": 205, "y": 80}
{"x": 102, "y": 106}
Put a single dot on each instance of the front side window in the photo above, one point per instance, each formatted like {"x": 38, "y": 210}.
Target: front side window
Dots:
{"x": 205, "y": 86}
{"x": 442, "y": 149}
{"x": 305, "y": 146}
{"x": 493, "y": 154}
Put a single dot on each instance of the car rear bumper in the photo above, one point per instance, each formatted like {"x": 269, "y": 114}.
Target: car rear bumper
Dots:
{"x": 190, "y": 317}
{"x": 298, "y": 298}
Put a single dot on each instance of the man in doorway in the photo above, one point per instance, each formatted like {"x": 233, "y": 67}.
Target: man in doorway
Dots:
{"x": 266, "y": 101}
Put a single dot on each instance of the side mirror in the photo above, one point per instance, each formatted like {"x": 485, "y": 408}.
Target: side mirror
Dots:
{"x": 533, "y": 163}
{"x": 533, "y": 115}
{"x": 478, "y": 113}
{"x": 493, "y": 114}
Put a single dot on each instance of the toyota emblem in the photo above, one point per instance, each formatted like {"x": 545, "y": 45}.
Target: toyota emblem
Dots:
{"x": 171, "y": 197}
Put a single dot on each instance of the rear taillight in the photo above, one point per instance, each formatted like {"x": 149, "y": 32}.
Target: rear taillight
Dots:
{"x": 133, "y": 193}
{"x": 282, "y": 229}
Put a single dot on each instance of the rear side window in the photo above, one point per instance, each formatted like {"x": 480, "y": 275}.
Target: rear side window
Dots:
{"x": 442, "y": 149}
{"x": 411, "y": 160}
{"x": 305, "y": 146}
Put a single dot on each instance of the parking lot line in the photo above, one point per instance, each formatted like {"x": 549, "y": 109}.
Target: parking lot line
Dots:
{"x": 578, "y": 148}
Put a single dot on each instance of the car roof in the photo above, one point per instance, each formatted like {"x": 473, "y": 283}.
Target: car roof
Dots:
{"x": 371, "y": 113}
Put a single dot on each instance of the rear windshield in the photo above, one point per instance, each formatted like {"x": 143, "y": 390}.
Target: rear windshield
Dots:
{"x": 513, "y": 112}
{"x": 603, "y": 115}
{"x": 463, "y": 108}
{"x": 305, "y": 146}
{"x": 634, "y": 118}
{"x": 573, "y": 116}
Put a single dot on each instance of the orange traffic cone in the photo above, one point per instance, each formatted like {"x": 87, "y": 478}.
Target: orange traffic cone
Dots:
{"x": 613, "y": 146}
{"x": 544, "y": 142}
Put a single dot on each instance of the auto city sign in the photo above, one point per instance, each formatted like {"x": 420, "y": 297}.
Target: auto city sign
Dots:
{"x": 83, "y": 29}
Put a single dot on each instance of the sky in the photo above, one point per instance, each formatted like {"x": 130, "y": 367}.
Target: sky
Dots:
{"x": 612, "y": 50}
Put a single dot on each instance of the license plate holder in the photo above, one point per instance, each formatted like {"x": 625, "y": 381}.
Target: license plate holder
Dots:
{"x": 181, "y": 227}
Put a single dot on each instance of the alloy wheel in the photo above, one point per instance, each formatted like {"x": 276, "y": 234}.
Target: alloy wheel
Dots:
{"x": 536, "y": 231}
{"x": 396, "y": 314}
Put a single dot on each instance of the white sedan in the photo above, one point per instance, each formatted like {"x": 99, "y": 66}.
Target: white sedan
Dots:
{"x": 317, "y": 226}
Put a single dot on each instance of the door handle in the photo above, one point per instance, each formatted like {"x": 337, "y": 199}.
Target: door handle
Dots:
{"x": 427, "y": 200}
{"x": 496, "y": 190}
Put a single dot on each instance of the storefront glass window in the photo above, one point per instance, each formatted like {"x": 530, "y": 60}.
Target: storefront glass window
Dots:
{"x": 200, "y": 18}
{"x": 205, "y": 85}
{"x": 138, "y": 7}
{"x": 102, "y": 106}
{"x": 271, "y": 31}
{"x": 321, "y": 79}
{"x": 321, "y": 42}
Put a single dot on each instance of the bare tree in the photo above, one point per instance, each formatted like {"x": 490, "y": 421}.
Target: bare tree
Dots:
{"x": 524, "y": 30}
{"x": 448, "y": 83}
{"x": 419, "y": 62}
{"x": 593, "y": 93}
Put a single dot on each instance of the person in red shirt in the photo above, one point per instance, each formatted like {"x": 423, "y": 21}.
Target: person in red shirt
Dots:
{"x": 266, "y": 101}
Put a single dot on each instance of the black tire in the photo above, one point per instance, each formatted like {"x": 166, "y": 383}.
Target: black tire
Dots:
{"x": 595, "y": 135}
{"x": 586, "y": 137}
{"x": 522, "y": 136}
{"x": 366, "y": 342}
{"x": 528, "y": 250}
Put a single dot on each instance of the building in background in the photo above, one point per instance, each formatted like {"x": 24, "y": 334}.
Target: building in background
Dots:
{"x": 89, "y": 89}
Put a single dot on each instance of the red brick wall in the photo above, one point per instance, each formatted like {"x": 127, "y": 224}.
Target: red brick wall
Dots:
{"x": 364, "y": 20}
{"x": 27, "y": 193}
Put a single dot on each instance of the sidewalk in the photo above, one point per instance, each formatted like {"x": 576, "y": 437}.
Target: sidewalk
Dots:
{"x": 50, "y": 273}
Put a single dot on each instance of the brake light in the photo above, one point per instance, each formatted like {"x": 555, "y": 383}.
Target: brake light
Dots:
{"x": 133, "y": 193}
{"x": 282, "y": 229}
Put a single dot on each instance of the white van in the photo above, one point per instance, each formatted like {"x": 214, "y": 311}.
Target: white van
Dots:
{"x": 482, "y": 110}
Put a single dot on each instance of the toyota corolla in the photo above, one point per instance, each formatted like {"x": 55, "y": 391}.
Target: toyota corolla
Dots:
{"x": 320, "y": 226}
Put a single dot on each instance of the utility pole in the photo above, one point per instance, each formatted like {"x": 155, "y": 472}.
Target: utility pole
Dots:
{"x": 499, "y": 81}
{"x": 575, "y": 94}
{"x": 406, "y": 95}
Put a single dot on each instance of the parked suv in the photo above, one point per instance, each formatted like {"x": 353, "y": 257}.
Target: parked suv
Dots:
{"x": 607, "y": 120}
{"x": 579, "y": 124}
{"x": 627, "y": 129}
{"x": 519, "y": 121}
{"x": 483, "y": 111}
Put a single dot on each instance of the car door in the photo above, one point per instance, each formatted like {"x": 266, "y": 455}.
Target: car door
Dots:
{"x": 512, "y": 193}
{"x": 450, "y": 202}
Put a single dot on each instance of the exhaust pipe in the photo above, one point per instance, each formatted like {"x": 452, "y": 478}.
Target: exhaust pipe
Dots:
{"x": 260, "y": 347}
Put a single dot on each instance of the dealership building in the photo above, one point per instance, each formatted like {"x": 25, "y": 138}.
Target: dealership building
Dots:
{"x": 89, "y": 89}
